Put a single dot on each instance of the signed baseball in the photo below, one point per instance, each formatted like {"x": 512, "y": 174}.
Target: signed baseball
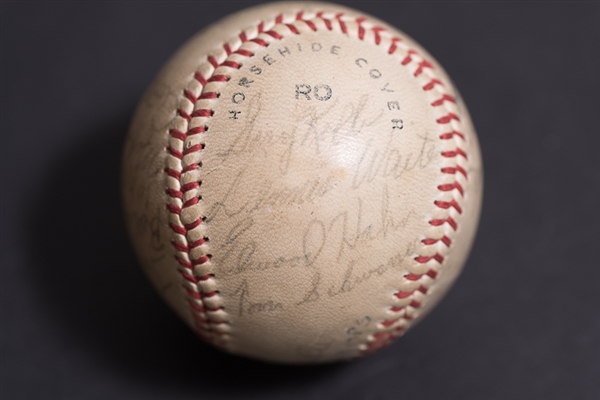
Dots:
{"x": 302, "y": 183}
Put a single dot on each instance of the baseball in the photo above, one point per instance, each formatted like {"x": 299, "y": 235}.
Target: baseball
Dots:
{"x": 302, "y": 183}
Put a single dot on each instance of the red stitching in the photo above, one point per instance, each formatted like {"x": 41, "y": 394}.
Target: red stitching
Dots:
{"x": 200, "y": 113}
{"x": 190, "y": 96}
{"x": 453, "y": 153}
{"x": 424, "y": 259}
{"x": 184, "y": 115}
{"x": 213, "y": 61}
{"x": 175, "y": 153}
{"x": 292, "y": 29}
{"x": 448, "y": 187}
{"x": 343, "y": 26}
{"x": 184, "y": 263}
{"x": 208, "y": 95}
{"x": 200, "y": 295}
{"x": 311, "y": 25}
{"x": 181, "y": 247}
{"x": 448, "y": 204}
{"x": 192, "y": 149}
{"x": 450, "y": 135}
{"x": 201, "y": 260}
{"x": 191, "y": 202}
{"x": 381, "y": 335}
{"x": 277, "y": 35}
{"x": 173, "y": 173}
{"x": 200, "y": 311}
{"x": 393, "y": 46}
{"x": 232, "y": 64}
{"x": 444, "y": 239}
{"x": 432, "y": 274}
{"x": 177, "y": 134}
{"x": 377, "y": 345}
{"x": 193, "y": 225}
{"x": 325, "y": 20}
{"x": 445, "y": 97}
{"x": 245, "y": 53}
{"x": 218, "y": 78}
{"x": 189, "y": 186}
{"x": 200, "y": 78}
{"x": 432, "y": 84}
{"x": 175, "y": 193}
{"x": 205, "y": 277}
{"x": 376, "y": 30}
{"x": 422, "y": 66}
{"x": 193, "y": 294}
{"x": 403, "y": 295}
{"x": 188, "y": 277}
{"x": 190, "y": 168}
{"x": 199, "y": 129}
{"x": 361, "y": 29}
{"x": 448, "y": 118}
{"x": 210, "y": 294}
{"x": 260, "y": 42}
{"x": 408, "y": 57}
{"x": 197, "y": 243}
{"x": 174, "y": 209}
{"x": 414, "y": 304}
{"x": 450, "y": 221}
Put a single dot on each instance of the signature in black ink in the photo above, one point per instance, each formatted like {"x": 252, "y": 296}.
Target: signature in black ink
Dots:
{"x": 365, "y": 233}
{"x": 268, "y": 195}
{"x": 353, "y": 279}
{"x": 391, "y": 162}
{"x": 239, "y": 253}
{"x": 246, "y": 306}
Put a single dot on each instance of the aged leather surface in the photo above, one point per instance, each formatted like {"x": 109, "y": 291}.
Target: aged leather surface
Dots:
{"x": 338, "y": 175}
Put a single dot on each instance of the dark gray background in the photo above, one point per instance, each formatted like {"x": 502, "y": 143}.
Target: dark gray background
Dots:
{"x": 80, "y": 321}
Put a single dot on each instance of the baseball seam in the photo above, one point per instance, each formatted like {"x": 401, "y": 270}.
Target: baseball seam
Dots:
{"x": 184, "y": 153}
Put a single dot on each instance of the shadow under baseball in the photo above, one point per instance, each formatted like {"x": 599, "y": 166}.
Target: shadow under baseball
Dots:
{"x": 90, "y": 284}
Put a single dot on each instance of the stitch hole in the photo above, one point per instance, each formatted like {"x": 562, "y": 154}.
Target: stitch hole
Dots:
{"x": 202, "y": 145}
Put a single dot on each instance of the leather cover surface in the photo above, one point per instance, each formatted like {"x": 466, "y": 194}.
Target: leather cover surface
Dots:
{"x": 300, "y": 185}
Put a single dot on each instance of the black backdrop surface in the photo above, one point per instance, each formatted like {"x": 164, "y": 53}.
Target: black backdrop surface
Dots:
{"x": 80, "y": 321}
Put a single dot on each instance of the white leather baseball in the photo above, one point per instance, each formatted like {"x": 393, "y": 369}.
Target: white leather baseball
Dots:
{"x": 302, "y": 183}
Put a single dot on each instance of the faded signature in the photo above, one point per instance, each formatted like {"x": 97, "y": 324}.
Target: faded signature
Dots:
{"x": 240, "y": 247}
